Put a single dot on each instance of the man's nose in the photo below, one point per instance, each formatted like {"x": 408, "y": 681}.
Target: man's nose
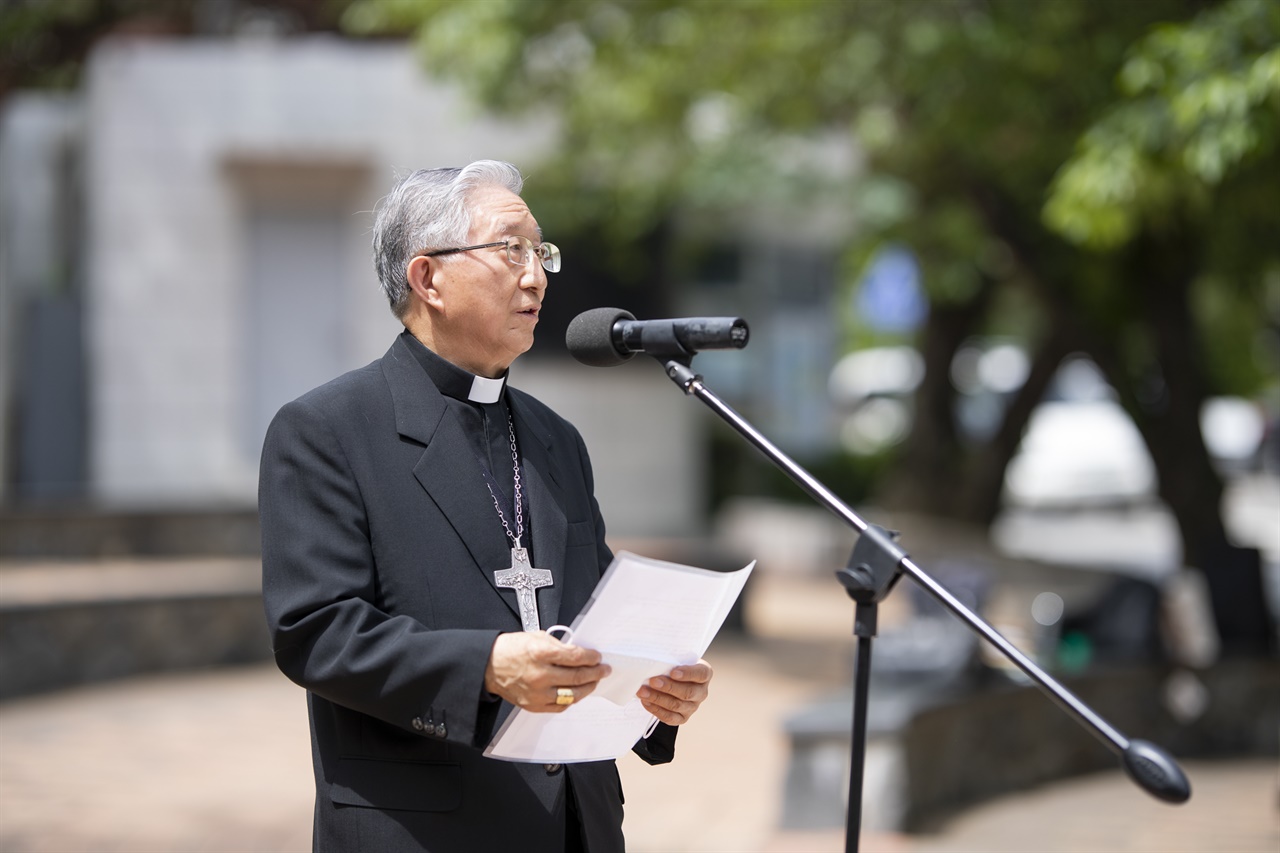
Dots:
{"x": 534, "y": 276}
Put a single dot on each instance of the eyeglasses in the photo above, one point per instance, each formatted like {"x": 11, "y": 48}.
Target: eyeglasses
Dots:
{"x": 520, "y": 251}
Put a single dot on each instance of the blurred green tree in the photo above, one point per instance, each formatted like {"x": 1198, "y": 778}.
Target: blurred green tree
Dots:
{"x": 1092, "y": 177}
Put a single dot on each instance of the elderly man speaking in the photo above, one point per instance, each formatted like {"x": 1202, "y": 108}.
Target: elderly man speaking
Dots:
{"x": 422, "y": 521}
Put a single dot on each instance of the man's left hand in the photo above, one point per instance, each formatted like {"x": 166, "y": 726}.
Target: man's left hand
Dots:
{"x": 673, "y": 697}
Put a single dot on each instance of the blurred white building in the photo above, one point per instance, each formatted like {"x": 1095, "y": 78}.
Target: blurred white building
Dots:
{"x": 185, "y": 247}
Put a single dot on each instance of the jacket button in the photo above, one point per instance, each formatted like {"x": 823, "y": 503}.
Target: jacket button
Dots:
{"x": 552, "y": 769}
{"x": 440, "y": 730}
{"x": 430, "y": 728}
{"x": 416, "y": 722}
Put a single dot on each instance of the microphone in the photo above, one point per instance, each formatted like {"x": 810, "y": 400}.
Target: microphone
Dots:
{"x": 604, "y": 337}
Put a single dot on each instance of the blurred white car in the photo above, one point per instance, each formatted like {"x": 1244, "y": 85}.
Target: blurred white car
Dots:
{"x": 1081, "y": 448}
{"x": 1080, "y": 452}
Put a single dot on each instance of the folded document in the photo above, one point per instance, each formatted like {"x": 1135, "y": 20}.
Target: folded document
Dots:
{"x": 646, "y": 617}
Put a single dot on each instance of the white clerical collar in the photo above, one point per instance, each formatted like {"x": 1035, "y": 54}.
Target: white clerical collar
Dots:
{"x": 486, "y": 390}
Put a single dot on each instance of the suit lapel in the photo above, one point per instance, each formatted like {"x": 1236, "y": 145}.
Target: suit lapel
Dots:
{"x": 545, "y": 505}
{"x": 447, "y": 470}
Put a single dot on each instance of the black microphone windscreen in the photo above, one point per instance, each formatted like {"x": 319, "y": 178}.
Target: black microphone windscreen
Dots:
{"x": 590, "y": 337}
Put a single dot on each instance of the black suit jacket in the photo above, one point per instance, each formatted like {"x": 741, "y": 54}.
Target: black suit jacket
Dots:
{"x": 380, "y": 541}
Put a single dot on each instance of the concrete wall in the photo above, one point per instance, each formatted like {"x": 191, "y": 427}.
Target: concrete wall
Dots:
{"x": 1007, "y": 740}
{"x": 65, "y": 624}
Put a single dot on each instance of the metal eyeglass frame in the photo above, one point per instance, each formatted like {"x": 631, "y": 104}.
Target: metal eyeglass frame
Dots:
{"x": 548, "y": 254}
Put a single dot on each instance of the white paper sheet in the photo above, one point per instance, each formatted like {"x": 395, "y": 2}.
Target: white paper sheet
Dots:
{"x": 645, "y": 617}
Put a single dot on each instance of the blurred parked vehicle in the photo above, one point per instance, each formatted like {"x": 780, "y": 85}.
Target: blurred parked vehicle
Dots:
{"x": 1080, "y": 452}
{"x": 1080, "y": 447}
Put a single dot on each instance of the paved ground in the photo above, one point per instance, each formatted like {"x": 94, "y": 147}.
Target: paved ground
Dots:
{"x": 219, "y": 762}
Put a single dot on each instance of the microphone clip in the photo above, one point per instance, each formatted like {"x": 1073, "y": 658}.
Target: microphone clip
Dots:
{"x": 680, "y": 371}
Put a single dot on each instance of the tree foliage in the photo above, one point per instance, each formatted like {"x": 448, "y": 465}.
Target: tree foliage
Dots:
{"x": 958, "y": 117}
{"x": 1190, "y": 150}
{"x": 1199, "y": 104}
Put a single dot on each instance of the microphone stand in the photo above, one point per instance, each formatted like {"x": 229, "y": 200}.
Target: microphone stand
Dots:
{"x": 874, "y": 568}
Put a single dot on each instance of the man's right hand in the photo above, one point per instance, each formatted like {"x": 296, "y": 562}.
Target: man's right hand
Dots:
{"x": 528, "y": 668}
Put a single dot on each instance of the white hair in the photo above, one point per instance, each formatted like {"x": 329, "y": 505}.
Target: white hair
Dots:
{"x": 428, "y": 210}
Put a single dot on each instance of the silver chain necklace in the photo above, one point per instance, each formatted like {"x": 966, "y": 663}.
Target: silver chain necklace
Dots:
{"x": 519, "y": 508}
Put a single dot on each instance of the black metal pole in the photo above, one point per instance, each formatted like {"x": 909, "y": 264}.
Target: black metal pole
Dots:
{"x": 866, "y": 616}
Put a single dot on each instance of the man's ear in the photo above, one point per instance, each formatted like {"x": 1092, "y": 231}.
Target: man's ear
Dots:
{"x": 423, "y": 274}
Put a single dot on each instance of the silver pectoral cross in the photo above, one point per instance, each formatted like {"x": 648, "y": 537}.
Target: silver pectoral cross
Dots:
{"x": 524, "y": 579}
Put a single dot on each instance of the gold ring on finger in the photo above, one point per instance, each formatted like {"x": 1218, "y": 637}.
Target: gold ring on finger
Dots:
{"x": 564, "y": 696}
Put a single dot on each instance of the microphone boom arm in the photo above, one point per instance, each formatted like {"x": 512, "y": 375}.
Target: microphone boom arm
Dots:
{"x": 878, "y": 563}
